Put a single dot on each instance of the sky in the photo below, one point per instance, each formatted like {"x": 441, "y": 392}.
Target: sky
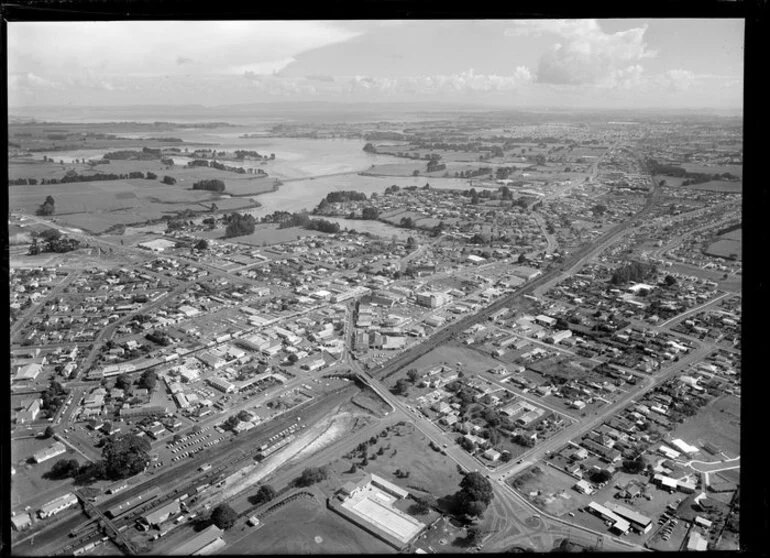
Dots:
{"x": 585, "y": 63}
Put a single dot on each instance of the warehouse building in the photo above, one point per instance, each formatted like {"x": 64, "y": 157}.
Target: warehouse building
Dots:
{"x": 198, "y": 542}
{"x": 160, "y": 515}
{"x": 57, "y": 448}
{"x": 56, "y": 505}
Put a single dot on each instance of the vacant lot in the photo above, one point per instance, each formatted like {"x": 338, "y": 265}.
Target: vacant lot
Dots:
{"x": 28, "y": 487}
{"x": 549, "y": 489}
{"x": 719, "y": 186}
{"x": 737, "y": 170}
{"x": 407, "y": 449}
{"x": 264, "y": 235}
{"x": 718, "y": 423}
{"x": 307, "y": 527}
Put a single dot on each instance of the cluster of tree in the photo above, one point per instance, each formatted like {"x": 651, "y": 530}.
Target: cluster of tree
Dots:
{"x": 343, "y": 196}
{"x": 124, "y": 456}
{"x": 540, "y": 159}
{"x": 378, "y": 136}
{"x": 146, "y": 154}
{"x": 159, "y": 337}
{"x": 228, "y": 168}
{"x": 63, "y": 469}
{"x": 445, "y": 146}
{"x": 224, "y": 516}
{"x": 170, "y": 180}
{"x": 633, "y": 271}
{"x": 58, "y": 246}
{"x": 265, "y": 494}
{"x": 241, "y": 154}
{"x": 635, "y": 466}
{"x": 370, "y": 213}
{"x": 369, "y": 148}
{"x": 239, "y": 225}
{"x": 311, "y": 475}
{"x": 481, "y": 171}
{"x": 47, "y": 207}
{"x": 407, "y": 223}
{"x": 148, "y": 380}
{"x": 202, "y": 244}
{"x": 599, "y": 476}
{"x": 599, "y": 209}
{"x": 474, "y": 496}
{"x": 22, "y": 181}
{"x": 303, "y": 220}
{"x": 213, "y": 185}
{"x": 433, "y": 166}
{"x": 401, "y": 387}
{"x": 53, "y": 398}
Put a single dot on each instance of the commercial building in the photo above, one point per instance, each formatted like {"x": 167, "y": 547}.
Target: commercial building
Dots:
{"x": 21, "y": 521}
{"x": 198, "y": 542}
{"x": 432, "y": 299}
{"x": 640, "y": 523}
{"x": 157, "y": 245}
{"x": 28, "y": 372}
{"x": 618, "y": 524}
{"x": 57, "y": 448}
{"x": 58, "y": 504}
{"x": 370, "y": 505}
{"x": 220, "y": 384}
{"x": 158, "y": 516}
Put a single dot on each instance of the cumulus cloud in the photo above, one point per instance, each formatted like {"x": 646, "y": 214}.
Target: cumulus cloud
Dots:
{"x": 261, "y": 68}
{"x": 677, "y": 80}
{"x": 585, "y": 54}
{"x": 625, "y": 78}
{"x": 468, "y": 81}
{"x": 32, "y": 81}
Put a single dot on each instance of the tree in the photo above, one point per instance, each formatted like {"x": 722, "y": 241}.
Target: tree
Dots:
{"x": 49, "y": 432}
{"x": 264, "y": 494}
{"x": 413, "y": 375}
{"x": 669, "y": 280}
{"x": 369, "y": 148}
{"x": 311, "y": 475}
{"x": 407, "y": 222}
{"x": 411, "y": 244}
{"x": 370, "y": 213}
{"x": 401, "y": 387}
{"x": 540, "y": 159}
{"x": 125, "y": 455}
{"x": 123, "y": 382}
{"x": 47, "y": 208}
{"x": 474, "y": 495}
{"x": 148, "y": 380}
{"x": 213, "y": 185}
{"x": 232, "y": 422}
{"x": 293, "y": 358}
{"x": 634, "y": 466}
{"x": 420, "y": 506}
{"x": 50, "y": 234}
{"x": 170, "y": 180}
{"x": 599, "y": 476}
{"x": 202, "y": 244}
{"x": 151, "y": 176}
{"x": 224, "y": 516}
{"x": 64, "y": 468}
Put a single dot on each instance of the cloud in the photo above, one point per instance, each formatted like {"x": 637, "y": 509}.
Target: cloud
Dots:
{"x": 261, "y": 68}
{"x": 181, "y": 60}
{"x": 679, "y": 80}
{"x": 585, "y": 54}
{"x": 462, "y": 82}
{"x": 324, "y": 78}
{"x": 31, "y": 81}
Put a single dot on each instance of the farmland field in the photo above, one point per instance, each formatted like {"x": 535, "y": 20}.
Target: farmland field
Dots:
{"x": 304, "y": 527}
{"x": 97, "y": 205}
{"x": 727, "y": 244}
{"x": 718, "y": 423}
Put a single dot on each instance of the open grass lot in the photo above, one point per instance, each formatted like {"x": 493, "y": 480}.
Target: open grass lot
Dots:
{"x": 305, "y": 527}
{"x": 96, "y": 206}
{"x": 550, "y": 489}
{"x": 407, "y": 449}
{"x": 737, "y": 170}
{"x": 718, "y": 423}
{"x": 28, "y": 484}
{"x": 719, "y": 186}
{"x": 263, "y": 235}
{"x": 725, "y": 248}
{"x": 472, "y": 361}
